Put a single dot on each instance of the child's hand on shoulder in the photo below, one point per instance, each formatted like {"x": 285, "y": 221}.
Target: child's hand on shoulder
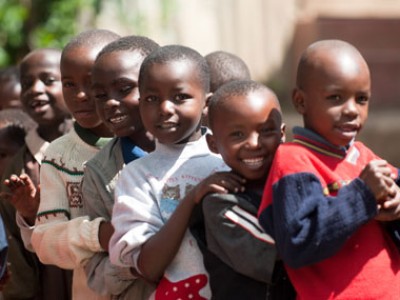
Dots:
{"x": 378, "y": 177}
{"x": 24, "y": 196}
{"x": 219, "y": 182}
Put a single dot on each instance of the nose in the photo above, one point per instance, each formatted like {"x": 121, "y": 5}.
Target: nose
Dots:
{"x": 166, "y": 107}
{"x": 350, "y": 107}
{"x": 38, "y": 86}
{"x": 111, "y": 102}
{"x": 82, "y": 95}
{"x": 253, "y": 140}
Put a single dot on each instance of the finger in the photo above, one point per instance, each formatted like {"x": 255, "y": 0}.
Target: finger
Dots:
{"x": 215, "y": 188}
{"x": 391, "y": 203}
{"x": 232, "y": 185}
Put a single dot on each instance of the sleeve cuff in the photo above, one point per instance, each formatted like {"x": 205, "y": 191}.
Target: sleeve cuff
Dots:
{"x": 90, "y": 233}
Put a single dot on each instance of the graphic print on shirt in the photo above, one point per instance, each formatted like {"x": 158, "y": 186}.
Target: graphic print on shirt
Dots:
{"x": 184, "y": 289}
{"x": 169, "y": 200}
{"x": 74, "y": 194}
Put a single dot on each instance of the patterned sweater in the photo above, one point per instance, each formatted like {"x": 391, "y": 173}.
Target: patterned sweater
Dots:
{"x": 322, "y": 218}
{"x": 63, "y": 236}
{"x": 146, "y": 195}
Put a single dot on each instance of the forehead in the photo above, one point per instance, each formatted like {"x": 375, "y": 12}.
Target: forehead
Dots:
{"x": 255, "y": 106}
{"x": 177, "y": 71}
{"x": 117, "y": 62}
{"x": 45, "y": 60}
{"x": 79, "y": 57}
{"x": 336, "y": 68}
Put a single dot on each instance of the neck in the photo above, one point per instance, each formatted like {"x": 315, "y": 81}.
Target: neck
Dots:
{"x": 50, "y": 133}
{"x": 144, "y": 140}
{"x": 256, "y": 185}
{"x": 102, "y": 131}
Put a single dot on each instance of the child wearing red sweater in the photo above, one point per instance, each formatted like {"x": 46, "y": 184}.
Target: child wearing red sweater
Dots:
{"x": 327, "y": 194}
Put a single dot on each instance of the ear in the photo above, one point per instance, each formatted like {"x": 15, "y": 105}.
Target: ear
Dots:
{"x": 211, "y": 143}
{"x": 283, "y": 133}
{"x": 205, "y": 109}
{"x": 298, "y": 99}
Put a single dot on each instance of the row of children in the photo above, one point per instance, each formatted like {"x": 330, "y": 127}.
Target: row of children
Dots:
{"x": 141, "y": 201}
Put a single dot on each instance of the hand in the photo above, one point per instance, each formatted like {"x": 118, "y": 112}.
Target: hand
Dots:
{"x": 106, "y": 230}
{"x": 378, "y": 177}
{"x": 390, "y": 209}
{"x": 219, "y": 182}
{"x": 24, "y": 196}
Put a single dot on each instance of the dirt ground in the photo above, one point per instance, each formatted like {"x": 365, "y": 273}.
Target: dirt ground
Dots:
{"x": 381, "y": 133}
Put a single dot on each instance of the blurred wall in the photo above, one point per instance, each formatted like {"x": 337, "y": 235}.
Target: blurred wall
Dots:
{"x": 269, "y": 35}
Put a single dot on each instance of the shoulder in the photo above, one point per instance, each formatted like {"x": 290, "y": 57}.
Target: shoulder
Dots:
{"x": 108, "y": 155}
{"x": 292, "y": 157}
{"x": 60, "y": 144}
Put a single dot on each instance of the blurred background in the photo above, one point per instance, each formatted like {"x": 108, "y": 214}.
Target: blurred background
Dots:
{"x": 269, "y": 35}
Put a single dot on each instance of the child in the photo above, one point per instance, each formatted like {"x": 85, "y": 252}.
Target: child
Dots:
{"x": 225, "y": 67}
{"x": 155, "y": 195}
{"x": 41, "y": 97}
{"x": 62, "y": 235}
{"x": 14, "y": 124}
{"x": 10, "y": 88}
{"x": 246, "y": 124}
{"x": 115, "y": 88}
{"x": 325, "y": 190}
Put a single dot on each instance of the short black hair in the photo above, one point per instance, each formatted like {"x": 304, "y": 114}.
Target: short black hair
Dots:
{"x": 225, "y": 67}
{"x": 9, "y": 74}
{"x": 232, "y": 89}
{"x": 16, "y": 123}
{"x": 138, "y": 43}
{"x": 172, "y": 53}
{"x": 91, "y": 38}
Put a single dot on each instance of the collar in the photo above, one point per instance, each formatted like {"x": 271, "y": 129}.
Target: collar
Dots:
{"x": 130, "y": 151}
{"x": 185, "y": 150}
{"x": 36, "y": 145}
{"x": 89, "y": 137}
{"x": 314, "y": 141}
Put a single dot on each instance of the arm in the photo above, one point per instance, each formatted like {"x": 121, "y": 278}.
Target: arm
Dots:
{"x": 24, "y": 196}
{"x": 56, "y": 238}
{"x": 151, "y": 262}
{"x": 105, "y": 278}
{"x": 140, "y": 231}
{"x": 234, "y": 235}
{"x": 308, "y": 226}
{"x": 102, "y": 276}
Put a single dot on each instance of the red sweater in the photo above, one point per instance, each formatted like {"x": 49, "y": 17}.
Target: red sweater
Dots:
{"x": 322, "y": 219}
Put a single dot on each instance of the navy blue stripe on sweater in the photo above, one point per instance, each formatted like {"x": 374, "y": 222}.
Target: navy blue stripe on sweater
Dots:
{"x": 309, "y": 227}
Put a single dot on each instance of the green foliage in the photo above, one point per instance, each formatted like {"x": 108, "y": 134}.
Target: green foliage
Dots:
{"x": 29, "y": 24}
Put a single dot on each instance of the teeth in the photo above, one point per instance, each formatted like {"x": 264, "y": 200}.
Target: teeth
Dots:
{"x": 253, "y": 161}
{"x": 167, "y": 125}
{"x": 118, "y": 119}
{"x": 37, "y": 103}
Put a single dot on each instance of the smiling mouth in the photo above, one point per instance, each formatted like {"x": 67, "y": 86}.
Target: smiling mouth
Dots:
{"x": 38, "y": 103}
{"x": 117, "y": 119}
{"x": 348, "y": 129}
{"x": 254, "y": 162}
{"x": 168, "y": 125}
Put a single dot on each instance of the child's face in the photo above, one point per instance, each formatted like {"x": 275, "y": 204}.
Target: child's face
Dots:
{"x": 246, "y": 132}
{"x": 172, "y": 99}
{"x": 41, "y": 93}
{"x": 8, "y": 148}
{"x": 115, "y": 88}
{"x": 76, "y": 68}
{"x": 335, "y": 101}
{"x": 10, "y": 92}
